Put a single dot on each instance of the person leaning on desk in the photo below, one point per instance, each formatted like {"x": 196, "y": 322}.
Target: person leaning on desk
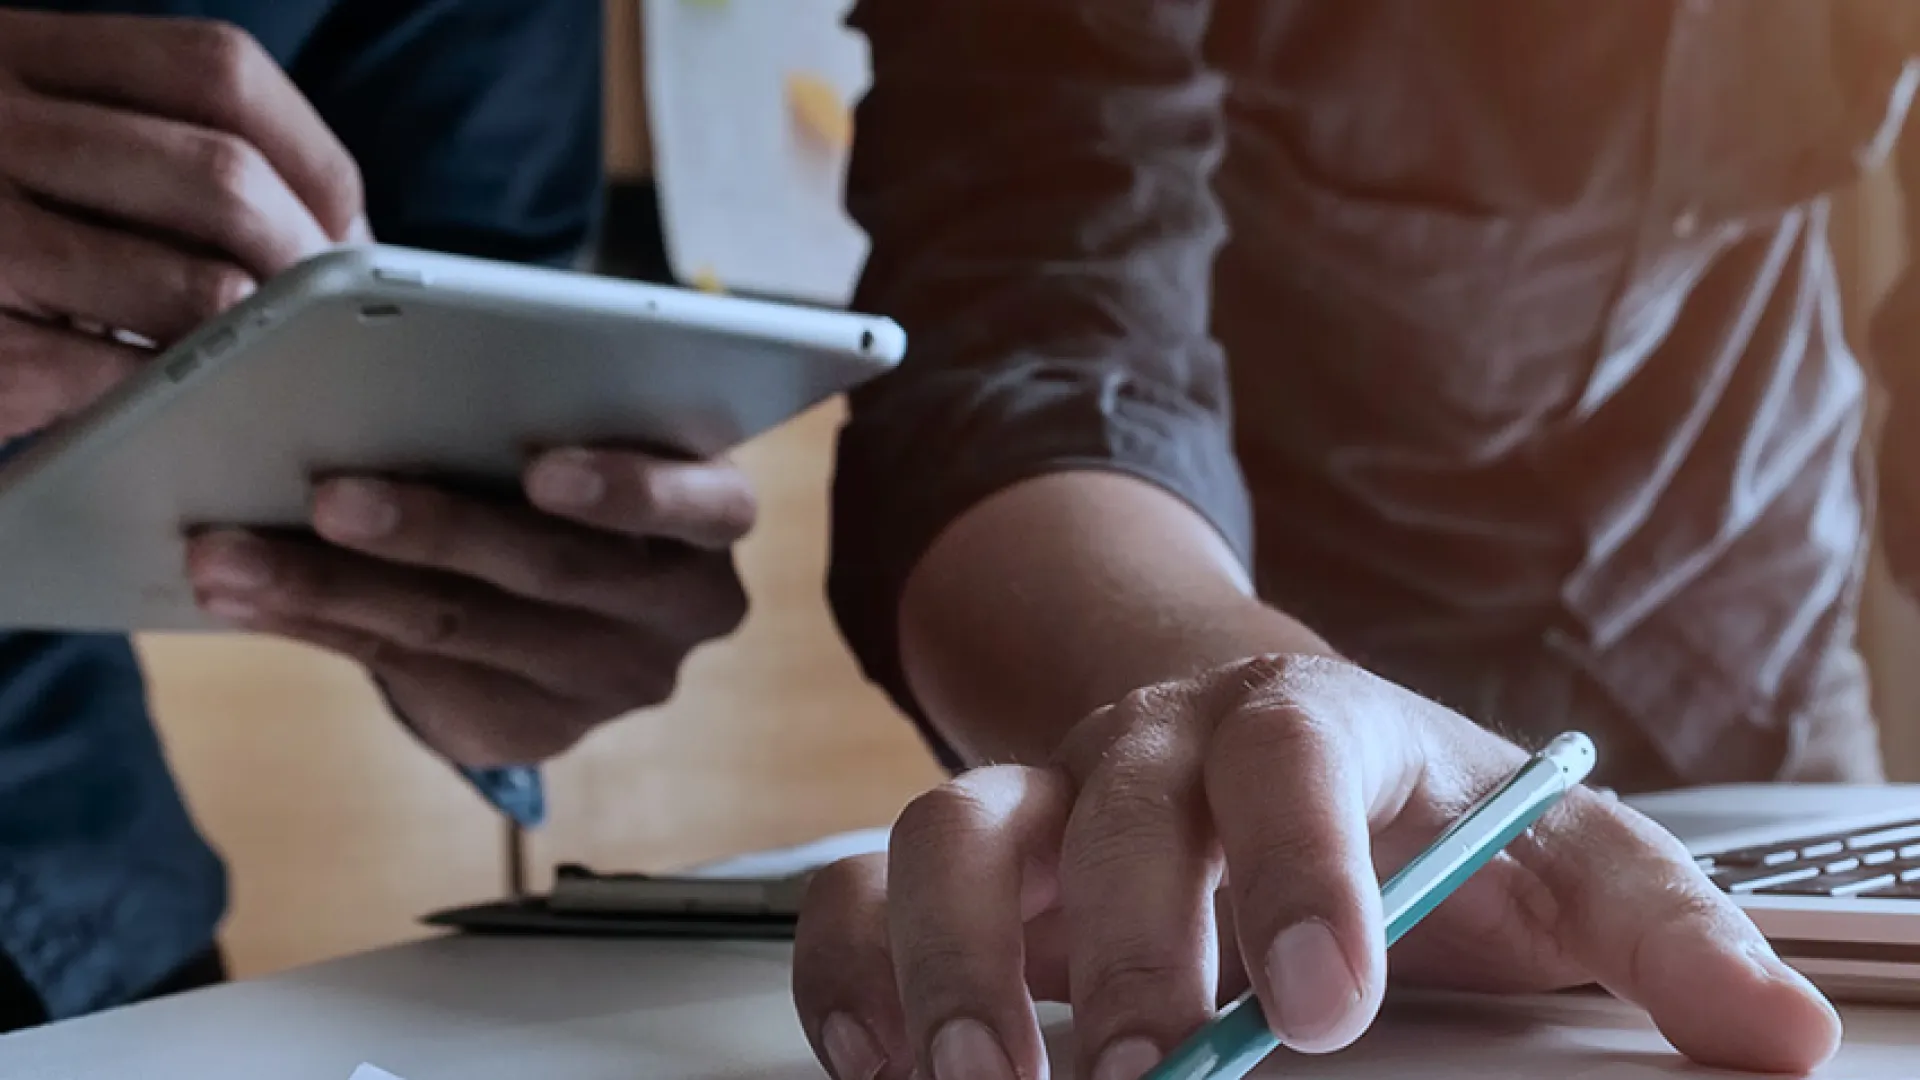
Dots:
{"x": 1540, "y": 408}
{"x": 151, "y": 172}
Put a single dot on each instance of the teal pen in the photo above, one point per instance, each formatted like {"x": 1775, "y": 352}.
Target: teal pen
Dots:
{"x": 1236, "y": 1041}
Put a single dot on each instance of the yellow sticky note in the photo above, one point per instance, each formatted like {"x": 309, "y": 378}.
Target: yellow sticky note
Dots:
{"x": 819, "y": 110}
{"x": 707, "y": 281}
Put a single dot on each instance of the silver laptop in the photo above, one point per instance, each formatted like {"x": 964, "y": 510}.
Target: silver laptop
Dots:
{"x": 1831, "y": 874}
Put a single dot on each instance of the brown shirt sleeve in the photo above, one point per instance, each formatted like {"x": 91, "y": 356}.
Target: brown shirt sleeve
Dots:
{"x": 1035, "y": 179}
{"x": 1894, "y": 344}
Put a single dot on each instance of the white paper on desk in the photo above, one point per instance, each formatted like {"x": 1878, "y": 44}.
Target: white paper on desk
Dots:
{"x": 799, "y": 859}
{"x": 750, "y": 194}
{"x": 368, "y": 1072}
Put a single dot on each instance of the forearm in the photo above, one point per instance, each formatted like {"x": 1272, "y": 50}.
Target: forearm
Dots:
{"x": 1063, "y": 593}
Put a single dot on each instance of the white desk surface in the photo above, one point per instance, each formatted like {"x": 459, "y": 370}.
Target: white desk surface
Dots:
{"x": 543, "y": 1009}
{"x": 504, "y": 1009}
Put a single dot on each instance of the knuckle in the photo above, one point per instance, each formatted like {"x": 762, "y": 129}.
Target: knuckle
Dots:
{"x": 231, "y": 171}
{"x": 1123, "y": 819}
{"x": 219, "y": 56}
{"x": 561, "y": 569}
{"x": 435, "y": 625}
{"x": 1286, "y": 869}
{"x": 1134, "y": 967}
{"x": 932, "y": 958}
{"x": 1259, "y": 732}
{"x": 1685, "y": 905}
{"x": 1270, "y": 677}
{"x": 294, "y": 584}
{"x": 1148, "y": 713}
{"x": 1679, "y": 908}
{"x": 1146, "y": 701}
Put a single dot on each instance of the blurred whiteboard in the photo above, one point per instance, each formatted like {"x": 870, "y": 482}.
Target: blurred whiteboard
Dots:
{"x": 749, "y": 103}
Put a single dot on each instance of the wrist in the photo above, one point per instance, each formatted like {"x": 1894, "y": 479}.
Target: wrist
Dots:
{"x": 1064, "y": 593}
{"x": 1024, "y": 716}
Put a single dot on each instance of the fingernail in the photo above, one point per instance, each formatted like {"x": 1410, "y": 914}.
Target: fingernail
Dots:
{"x": 567, "y": 480}
{"x": 966, "y": 1050}
{"x": 356, "y": 510}
{"x": 1127, "y": 1059}
{"x": 1314, "y": 989}
{"x": 850, "y": 1049}
{"x": 232, "y": 561}
{"x": 236, "y": 288}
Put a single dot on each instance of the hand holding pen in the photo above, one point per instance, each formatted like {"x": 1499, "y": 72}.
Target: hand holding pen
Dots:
{"x": 1229, "y": 834}
{"x": 1241, "y": 1038}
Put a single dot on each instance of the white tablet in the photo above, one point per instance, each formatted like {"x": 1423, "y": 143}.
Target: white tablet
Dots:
{"x": 392, "y": 361}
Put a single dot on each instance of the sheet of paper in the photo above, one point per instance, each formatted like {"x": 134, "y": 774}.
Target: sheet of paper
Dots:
{"x": 368, "y": 1072}
{"x": 786, "y": 862}
{"x": 750, "y": 106}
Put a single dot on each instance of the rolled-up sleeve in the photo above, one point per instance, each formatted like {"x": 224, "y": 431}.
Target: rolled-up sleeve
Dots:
{"x": 1036, "y": 180}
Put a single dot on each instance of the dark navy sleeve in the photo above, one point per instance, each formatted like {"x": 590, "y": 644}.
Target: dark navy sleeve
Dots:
{"x": 476, "y": 123}
{"x": 477, "y": 127}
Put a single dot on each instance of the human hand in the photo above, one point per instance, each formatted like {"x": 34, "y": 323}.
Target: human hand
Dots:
{"x": 1241, "y": 823}
{"x": 502, "y": 633}
{"x": 152, "y": 172}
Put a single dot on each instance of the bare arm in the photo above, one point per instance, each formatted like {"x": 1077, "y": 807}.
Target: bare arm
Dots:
{"x": 1064, "y": 593}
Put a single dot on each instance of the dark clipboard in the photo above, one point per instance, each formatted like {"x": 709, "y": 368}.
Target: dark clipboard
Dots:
{"x": 586, "y": 904}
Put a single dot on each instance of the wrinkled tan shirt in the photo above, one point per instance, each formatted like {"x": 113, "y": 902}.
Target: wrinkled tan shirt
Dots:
{"x": 1495, "y": 333}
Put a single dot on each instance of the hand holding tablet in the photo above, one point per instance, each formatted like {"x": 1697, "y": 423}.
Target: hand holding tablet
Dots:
{"x": 501, "y": 489}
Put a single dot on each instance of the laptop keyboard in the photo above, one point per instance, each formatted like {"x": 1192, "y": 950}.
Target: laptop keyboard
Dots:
{"x": 1878, "y": 863}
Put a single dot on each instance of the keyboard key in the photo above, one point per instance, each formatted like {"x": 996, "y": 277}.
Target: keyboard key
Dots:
{"x": 1767, "y": 878}
{"x": 1879, "y": 858}
{"x": 1841, "y": 866}
{"x": 1847, "y": 884}
{"x": 1911, "y": 851}
{"x": 1906, "y": 890}
{"x": 1893, "y": 834}
{"x": 1824, "y": 850}
{"x": 1762, "y": 856}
